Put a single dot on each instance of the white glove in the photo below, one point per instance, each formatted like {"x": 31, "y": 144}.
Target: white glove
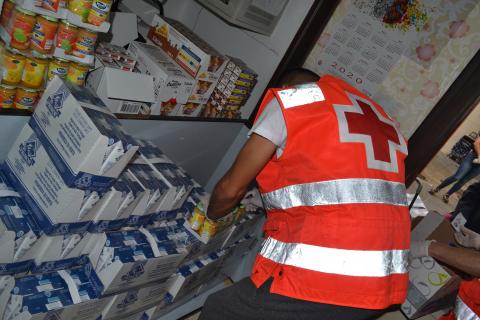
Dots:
{"x": 419, "y": 249}
{"x": 252, "y": 200}
{"x": 468, "y": 238}
{"x": 476, "y": 161}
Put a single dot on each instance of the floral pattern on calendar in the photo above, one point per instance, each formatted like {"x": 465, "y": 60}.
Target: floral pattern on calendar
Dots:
{"x": 410, "y": 83}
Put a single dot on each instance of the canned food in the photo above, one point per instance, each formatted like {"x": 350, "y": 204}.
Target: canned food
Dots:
{"x": 34, "y": 71}
{"x": 51, "y": 5}
{"x": 77, "y": 73}
{"x": 80, "y": 8}
{"x": 21, "y": 29}
{"x": 208, "y": 229}
{"x": 7, "y": 12}
{"x": 13, "y": 65}
{"x": 58, "y": 67}
{"x": 7, "y": 96}
{"x": 99, "y": 12}
{"x": 43, "y": 34}
{"x": 66, "y": 36}
{"x": 85, "y": 43}
{"x": 25, "y": 98}
{"x": 197, "y": 219}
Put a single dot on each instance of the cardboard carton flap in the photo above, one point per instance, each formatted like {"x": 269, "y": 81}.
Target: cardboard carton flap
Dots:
{"x": 131, "y": 86}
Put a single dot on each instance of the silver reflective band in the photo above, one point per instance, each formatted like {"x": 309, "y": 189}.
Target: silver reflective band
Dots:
{"x": 356, "y": 263}
{"x": 463, "y": 312}
{"x": 301, "y": 95}
{"x": 344, "y": 191}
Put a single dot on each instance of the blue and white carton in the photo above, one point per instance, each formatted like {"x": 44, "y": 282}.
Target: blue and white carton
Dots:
{"x": 156, "y": 192}
{"x": 66, "y": 294}
{"x": 125, "y": 198}
{"x": 135, "y": 300}
{"x": 18, "y": 231}
{"x": 178, "y": 183}
{"x": 126, "y": 259}
{"x": 85, "y": 141}
{"x": 57, "y": 208}
{"x": 193, "y": 275}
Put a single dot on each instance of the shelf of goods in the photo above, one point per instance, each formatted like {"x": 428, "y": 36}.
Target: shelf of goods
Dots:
{"x": 97, "y": 223}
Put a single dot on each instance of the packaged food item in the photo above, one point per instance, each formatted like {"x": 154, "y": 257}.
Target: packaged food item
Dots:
{"x": 99, "y": 12}
{"x": 85, "y": 43}
{"x": 66, "y": 36}
{"x": 51, "y": 5}
{"x": 7, "y": 12}
{"x": 77, "y": 73}
{"x": 22, "y": 24}
{"x": 58, "y": 67}
{"x": 7, "y": 96}
{"x": 13, "y": 65}
{"x": 25, "y": 98}
{"x": 197, "y": 218}
{"x": 43, "y": 34}
{"x": 208, "y": 229}
{"x": 34, "y": 71}
{"x": 37, "y": 3}
{"x": 80, "y": 8}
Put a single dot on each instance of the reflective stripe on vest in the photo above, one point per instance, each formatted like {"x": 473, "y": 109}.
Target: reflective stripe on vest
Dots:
{"x": 343, "y": 191}
{"x": 360, "y": 263}
{"x": 463, "y": 312}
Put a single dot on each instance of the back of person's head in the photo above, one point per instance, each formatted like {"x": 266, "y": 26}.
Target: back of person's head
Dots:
{"x": 297, "y": 76}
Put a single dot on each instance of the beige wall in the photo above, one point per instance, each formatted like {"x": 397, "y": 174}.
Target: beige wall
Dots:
{"x": 472, "y": 123}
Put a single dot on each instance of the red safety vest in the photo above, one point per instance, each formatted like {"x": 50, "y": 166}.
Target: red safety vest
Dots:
{"x": 467, "y": 306}
{"x": 338, "y": 227}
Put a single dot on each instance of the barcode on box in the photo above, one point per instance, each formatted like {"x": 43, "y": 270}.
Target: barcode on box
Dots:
{"x": 130, "y": 107}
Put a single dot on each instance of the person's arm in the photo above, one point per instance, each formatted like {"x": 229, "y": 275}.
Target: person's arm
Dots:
{"x": 253, "y": 157}
{"x": 462, "y": 259}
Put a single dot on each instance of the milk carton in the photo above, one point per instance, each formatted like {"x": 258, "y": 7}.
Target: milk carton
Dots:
{"x": 85, "y": 141}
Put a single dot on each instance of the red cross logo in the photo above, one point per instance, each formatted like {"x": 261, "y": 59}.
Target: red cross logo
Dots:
{"x": 361, "y": 122}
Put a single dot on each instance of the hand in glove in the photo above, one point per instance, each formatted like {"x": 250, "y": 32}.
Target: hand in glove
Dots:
{"x": 468, "y": 238}
{"x": 419, "y": 249}
{"x": 252, "y": 200}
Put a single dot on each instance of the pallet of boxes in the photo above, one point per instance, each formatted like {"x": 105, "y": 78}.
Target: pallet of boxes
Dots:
{"x": 93, "y": 220}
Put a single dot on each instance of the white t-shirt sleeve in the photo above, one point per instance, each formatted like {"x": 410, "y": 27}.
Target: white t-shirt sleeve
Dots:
{"x": 271, "y": 125}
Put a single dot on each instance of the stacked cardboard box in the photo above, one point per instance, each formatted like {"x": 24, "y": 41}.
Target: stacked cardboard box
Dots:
{"x": 225, "y": 79}
{"x": 93, "y": 221}
{"x": 232, "y": 91}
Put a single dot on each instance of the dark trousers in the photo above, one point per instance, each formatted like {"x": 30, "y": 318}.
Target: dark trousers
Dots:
{"x": 243, "y": 301}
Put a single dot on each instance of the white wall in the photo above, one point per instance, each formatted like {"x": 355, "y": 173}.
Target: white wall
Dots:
{"x": 261, "y": 53}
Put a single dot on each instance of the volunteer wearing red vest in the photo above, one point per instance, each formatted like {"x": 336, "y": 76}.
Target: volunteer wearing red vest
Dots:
{"x": 337, "y": 231}
{"x": 467, "y": 305}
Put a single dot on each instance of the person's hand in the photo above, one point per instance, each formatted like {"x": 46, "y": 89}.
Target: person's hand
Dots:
{"x": 252, "y": 200}
{"x": 468, "y": 238}
{"x": 419, "y": 249}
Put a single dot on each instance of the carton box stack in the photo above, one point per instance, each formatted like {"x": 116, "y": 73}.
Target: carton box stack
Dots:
{"x": 93, "y": 221}
{"x": 206, "y": 65}
{"x": 232, "y": 91}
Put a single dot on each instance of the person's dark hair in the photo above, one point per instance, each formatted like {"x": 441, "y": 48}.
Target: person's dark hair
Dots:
{"x": 297, "y": 76}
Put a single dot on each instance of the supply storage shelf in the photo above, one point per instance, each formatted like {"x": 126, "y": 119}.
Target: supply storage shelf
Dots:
{"x": 27, "y": 113}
